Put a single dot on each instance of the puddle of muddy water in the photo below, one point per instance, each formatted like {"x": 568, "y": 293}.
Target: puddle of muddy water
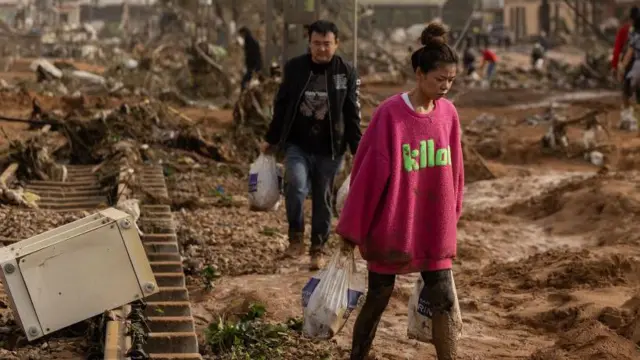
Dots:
{"x": 567, "y": 97}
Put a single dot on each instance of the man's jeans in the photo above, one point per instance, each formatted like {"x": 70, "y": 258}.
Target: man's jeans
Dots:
{"x": 305, "y": 172}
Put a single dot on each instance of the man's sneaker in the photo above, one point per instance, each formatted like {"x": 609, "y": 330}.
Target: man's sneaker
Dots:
{"x": 317, "y": 261}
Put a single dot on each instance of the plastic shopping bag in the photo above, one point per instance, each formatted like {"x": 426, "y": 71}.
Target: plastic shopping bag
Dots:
{"x": 264, "y": 188}
{"x": 420, "y": 324}
{"x": 331, "y": 296}
{"x": 342, "y": 194}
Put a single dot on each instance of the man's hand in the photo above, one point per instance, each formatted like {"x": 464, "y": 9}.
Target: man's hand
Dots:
{"x": 267, "y": 148}
{"x": 346, "y": 246}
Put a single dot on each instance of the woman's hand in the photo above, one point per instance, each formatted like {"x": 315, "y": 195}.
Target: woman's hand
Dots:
{"x": 346, "y": 245}
{"x": 267, "y": 148}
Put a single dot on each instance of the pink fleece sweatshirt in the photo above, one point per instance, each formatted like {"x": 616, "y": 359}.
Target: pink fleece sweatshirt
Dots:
{"x": 405, "y": 195}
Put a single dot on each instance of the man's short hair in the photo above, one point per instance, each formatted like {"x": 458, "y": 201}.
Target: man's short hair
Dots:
{"x": 323, "y": 27}
{"x": 634, "y": 12}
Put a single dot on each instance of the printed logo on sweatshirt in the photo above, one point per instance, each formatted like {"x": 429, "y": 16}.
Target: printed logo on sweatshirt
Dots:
{"x": 426, "y": 156}
{"x": 341, "y": 81}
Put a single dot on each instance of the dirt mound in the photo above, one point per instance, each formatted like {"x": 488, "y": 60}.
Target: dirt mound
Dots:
{"x": 604, "y": 207}
{"x": 582, "y": 271}
{"x": 560, "y": 269}
{"x": 590, "y": 340}
{"x": 11, "y": 99}
{"x": 475, "y": 167}
{"x": 549, "y": 201}
{"x": 628, "y": 158}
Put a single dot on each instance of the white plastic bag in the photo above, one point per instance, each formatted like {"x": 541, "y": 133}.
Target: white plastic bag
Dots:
{"x": 264, "y": 189}
{"x": 342, "y": 194}
{"x": 331, "y": 296}
{"x": 420, "y": 324}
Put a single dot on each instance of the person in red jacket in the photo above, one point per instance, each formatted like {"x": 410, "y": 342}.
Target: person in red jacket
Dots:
{"x": 490, "y": 61}
{"x": 622, "y": 38}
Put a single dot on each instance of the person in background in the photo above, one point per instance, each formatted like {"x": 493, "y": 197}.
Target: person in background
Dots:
{"x": 631, "y": 61}
{"x": 405, "y": 196}
{"x": 537, "y": 57}
{"x": 543, "y": 40}
{"x": 316, "y": 116}
{"x": 622, "y": 39}
{"x": 252, "y": 55}
{"x": 490, "y": 61}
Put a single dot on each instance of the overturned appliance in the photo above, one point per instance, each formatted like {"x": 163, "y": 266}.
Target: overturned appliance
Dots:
{"x": 77, "y": 271}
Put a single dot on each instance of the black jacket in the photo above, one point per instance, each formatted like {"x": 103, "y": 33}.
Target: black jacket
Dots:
{"x": 344, "y": 106}
{"x": 252, "y": 53}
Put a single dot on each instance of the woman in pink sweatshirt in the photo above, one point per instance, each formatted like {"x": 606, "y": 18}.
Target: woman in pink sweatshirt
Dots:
{"x": 405, "y": 195}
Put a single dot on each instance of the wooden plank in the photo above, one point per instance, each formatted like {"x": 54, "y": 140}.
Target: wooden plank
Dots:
{"x": 8, "y": 173}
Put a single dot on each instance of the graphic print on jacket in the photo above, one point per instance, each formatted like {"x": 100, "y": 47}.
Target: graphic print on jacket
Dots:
{"x": 405, "y": 195}
{"x": 311, "y": 130}
{"x": 314, "y": 105}
{"x": 426, "y": 156}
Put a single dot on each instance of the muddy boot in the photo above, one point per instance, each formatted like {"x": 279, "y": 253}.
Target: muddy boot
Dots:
{"x": 317, "y": 258}
{"x": 439, "y": 291}
{"x": 296, "y": 244}
{"x": 444, "y": 333}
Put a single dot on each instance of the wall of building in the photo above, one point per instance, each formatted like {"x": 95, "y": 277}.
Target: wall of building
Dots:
{"x": 112, "y": 13}
{"x": 456, "y": 12}
{"x": 391, "y": 16}
{"x": 523, "y": 17}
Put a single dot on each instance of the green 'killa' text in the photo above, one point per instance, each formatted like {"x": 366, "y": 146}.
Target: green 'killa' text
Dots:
{"x": 425, "y": 157}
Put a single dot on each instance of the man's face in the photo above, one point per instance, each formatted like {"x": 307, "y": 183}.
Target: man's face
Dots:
{"x": 323, "y": 47}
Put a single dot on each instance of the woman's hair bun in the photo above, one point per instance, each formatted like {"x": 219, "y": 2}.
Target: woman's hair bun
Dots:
{"x": 434, "y": 32}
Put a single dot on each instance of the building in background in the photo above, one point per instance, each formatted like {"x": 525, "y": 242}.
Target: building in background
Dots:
{"x": 111, "y": 11}
{"x": 493, "y": 11}
{"x": 68, "y": 12}
{"x": 617, "y": 8}
{"x": 392, "y": 14}
{"x": 528, "y": 18}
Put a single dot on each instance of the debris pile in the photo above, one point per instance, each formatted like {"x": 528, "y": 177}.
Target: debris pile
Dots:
{"x": 592, "y": 73}
{"x": 252, "y": 115}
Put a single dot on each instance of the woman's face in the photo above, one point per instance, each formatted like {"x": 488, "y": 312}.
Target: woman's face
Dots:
{"x": 437, "y": 82}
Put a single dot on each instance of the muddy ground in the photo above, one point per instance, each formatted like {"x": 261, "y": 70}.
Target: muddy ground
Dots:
{"x": 547, "y": 263}
{"x": 548, "y": 253}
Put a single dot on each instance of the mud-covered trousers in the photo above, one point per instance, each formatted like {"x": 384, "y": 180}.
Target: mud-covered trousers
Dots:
{"x": 438, "y": 286}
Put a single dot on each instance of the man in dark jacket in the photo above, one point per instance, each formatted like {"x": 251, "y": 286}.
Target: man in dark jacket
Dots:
{"x": 252, "y": 55}
{"x": 316, "y": 117}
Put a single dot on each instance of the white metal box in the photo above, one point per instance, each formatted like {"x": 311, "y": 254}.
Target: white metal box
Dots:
{"x": 72, "y": 273}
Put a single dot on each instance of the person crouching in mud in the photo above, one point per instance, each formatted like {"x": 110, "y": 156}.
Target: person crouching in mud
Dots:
{"x": 405, "y": 195}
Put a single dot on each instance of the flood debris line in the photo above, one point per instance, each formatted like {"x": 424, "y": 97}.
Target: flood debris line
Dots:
{"x": 570, "y": 134}
{"x": 252, "y": 115}
{"x": 592, "y": 73}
